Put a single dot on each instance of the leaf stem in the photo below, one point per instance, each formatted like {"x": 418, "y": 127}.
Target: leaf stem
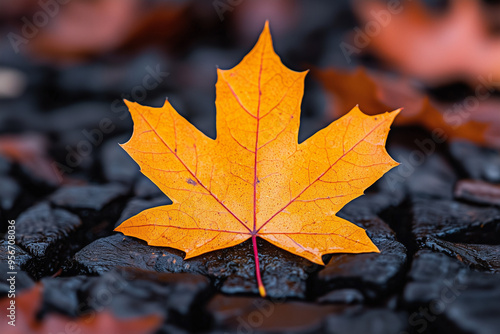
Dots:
{"x": 262, "y": 290}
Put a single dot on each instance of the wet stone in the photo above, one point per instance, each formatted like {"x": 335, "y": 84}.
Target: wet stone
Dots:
{"x": 5, "y": 165}
{"x": 129, "y": 293}
{"x": 257, "y": 315}
{"x": 431, "y": 273}
{"x": 145, "y": 188}
{"x": 367, "y": 320}
{"x": 9, "y": 194}
{"x": 117, "y": 250}
{"x": 453, "y": 298}
{"x": 99, "y": 206}
{"x": 477, "y": 309}
{"x": 374, "y": 275}
{"x": 284, "y": 274}
{"x": 423, "y": 173}
{"x": 477, "y": 191}
{"x": 48, "y": 235}
{"x": 137, "y": 205}
{"x": 22, "y": 280}
{"x": 88, "y": 122}
{"x": 342, "y": 296}
{"x": 61, "y": 295}
{"x": 89, "y": 197}
{"x": 455, "y": 221}
{"x": 481, "y": 163}
{"x": 24, "y": 261}
{"x": 117, "y": 165}
{"x": 232, "y": 270}
{"x": 254, "y": 314}
{"x": 477, "y": 256}
{"x": 371, "y": 205}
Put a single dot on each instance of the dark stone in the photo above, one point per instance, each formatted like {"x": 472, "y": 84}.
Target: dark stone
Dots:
{"x": 477, "y": 256}
{"x": 130, "y": 293}
{"x": 117, "y": 165}
{"x": 5, "y": 166}
{"x": 232, "y": 269}
{"x": 371, "y": 205}
{"x": 90, "y": 197}
{"x": 477, "y": 191}
{"x": 9, "y": 194}
{"x": 455, "y": 221}
{"x": 249, "y": 314}
{"x": 145, "y": 188}
{"x": 84, "y": 122}
{"x": 342, "y": 296}
{"x": 373, "y": 274}
{"x": 450, "y": 298}
{"x": 367, "y": 320}
{"x": 422, "y": 173}
{"x": 479, "y": 163}
{"x": 118, "y": 250}
{"x": 22, "y": 280}
{"x": 99, "y": 206}
{"x": 62, "y": 295}
{"x": 117, "y": 78}
{"x": 22, "y": 261}
{"x": 49, "y": 235}
{"x": 477, "y": 309}
{"x": 137, "y": 205}
{"x": 284, "y": 274}
{"x": 433, "y": 179}
{"x": 257, "y": 315}
{"x": 430, "y": 274}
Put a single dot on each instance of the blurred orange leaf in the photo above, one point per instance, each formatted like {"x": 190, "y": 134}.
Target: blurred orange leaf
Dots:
{"x": 25, "y": 318}
{"x": 87, "y": 28}
{"x": 435, "y": 48}
{"x": 255, "y": 180}
{"x": 376, "y": 92}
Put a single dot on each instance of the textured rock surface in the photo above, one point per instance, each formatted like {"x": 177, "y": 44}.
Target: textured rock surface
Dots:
{"x": 49, "y": 235}
{"x": 91, "y": 197}
{"x": 448, "y": 297}
{"x": 232, "y": 270}
{"x": 435, "y": 217}
{"x": 129, "y": 293}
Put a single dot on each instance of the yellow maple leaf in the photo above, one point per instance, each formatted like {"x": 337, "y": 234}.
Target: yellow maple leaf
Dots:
{"x": 254, "y": 179}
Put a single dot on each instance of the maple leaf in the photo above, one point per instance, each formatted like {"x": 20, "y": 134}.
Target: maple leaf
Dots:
{"x": 435, "y": 48}
{"x": 255, "y": 180}
{"x": 376, "y": 91}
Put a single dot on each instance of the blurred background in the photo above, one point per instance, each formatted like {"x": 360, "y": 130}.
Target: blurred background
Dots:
{"x": 67, "y": 65}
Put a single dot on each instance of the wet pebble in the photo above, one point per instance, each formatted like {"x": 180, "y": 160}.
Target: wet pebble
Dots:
{"x": 88, "y": 197}
{"x": 130, "y": 293}
{"x": 47, "y": 234}
{"x": 137, "y": 205}
{"x": 479, "y": 163}
{"x": 232, "y": 269}
{"x": 450, "y": 298}
{"x": 117, "y": 165}
{"x": 455, "y": 221}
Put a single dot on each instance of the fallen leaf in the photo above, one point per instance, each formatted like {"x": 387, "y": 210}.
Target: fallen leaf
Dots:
{"x": 30, "y": 150}
{"x": 83, "y": 29}
{"x": 27, "y": 320}
{"x": 254, "y": 179}
{"x": 436, "y": 48}
{"x": 375, "y": 92}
